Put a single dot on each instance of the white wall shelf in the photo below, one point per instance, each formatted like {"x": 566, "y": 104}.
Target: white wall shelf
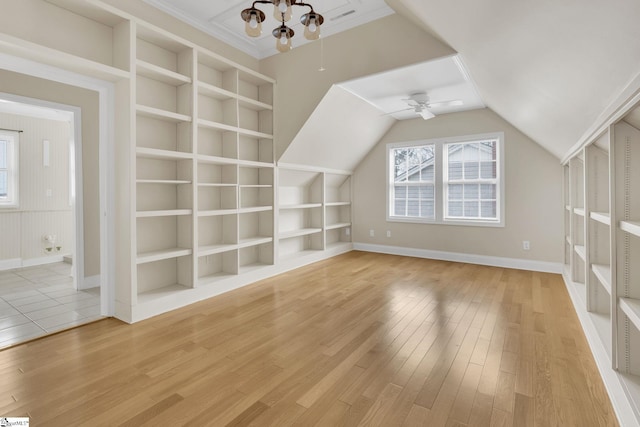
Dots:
{"x": 631, "y": 307}
{"x": 580, "y": 250}
{"x": 601, "y": 217}
{"x": 632, "y": 227}
{"x": 155, "y": 72}
{"x": 160, "y": 255}
{"x": 603, "y": 273}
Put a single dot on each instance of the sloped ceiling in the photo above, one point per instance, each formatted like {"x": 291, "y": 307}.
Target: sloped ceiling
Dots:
{"x": 339, "y": 140}
{"x": 548, "y": 67}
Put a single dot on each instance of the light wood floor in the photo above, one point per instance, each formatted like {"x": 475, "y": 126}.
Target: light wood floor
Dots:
{"x": 361, "y": 339}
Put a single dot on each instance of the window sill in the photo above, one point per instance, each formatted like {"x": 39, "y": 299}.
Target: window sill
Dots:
{"x": 494, "y": 224}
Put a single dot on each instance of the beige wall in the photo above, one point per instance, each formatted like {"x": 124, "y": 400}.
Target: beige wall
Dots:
{"x": 364, "y": 50}
{"x": 22, "y": 228}
{"x": 32, "y": 87}
{"x": 533, "y": 195}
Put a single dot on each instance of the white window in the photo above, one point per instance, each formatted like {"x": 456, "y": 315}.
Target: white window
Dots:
{"x": 413, "y": 191}
{"x": 447, "y": 181}
{"x": 8, "y": 169}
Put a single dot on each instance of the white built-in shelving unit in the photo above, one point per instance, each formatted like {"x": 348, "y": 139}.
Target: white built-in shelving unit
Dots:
{"x": 602, "y": 251}
{"x": 314, "y": 209}
{"x": 197, "y": 181}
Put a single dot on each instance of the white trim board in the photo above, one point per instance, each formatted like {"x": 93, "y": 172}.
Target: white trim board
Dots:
{"x": 613, "y": 381}
{"x": 10, "y": 264}
{"x": 519, "y": 264}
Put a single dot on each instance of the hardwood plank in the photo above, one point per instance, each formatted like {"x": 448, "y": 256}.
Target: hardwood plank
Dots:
{"x": 360, "y": 339}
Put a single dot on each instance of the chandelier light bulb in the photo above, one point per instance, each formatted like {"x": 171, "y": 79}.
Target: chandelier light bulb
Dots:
{"x": 254, "y": 17}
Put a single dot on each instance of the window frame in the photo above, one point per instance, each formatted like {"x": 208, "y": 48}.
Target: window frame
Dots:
{"x": 392, "y": 183}
{"x": 13, "y": 169}
{"x": 441, "y": 184}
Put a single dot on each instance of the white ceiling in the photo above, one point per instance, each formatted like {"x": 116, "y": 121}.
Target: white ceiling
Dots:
{"x": 221, "y": 19}
{"x": 443, "y": 79}
{"x": 328, "y": 140}
{"x": 548, "y": 67}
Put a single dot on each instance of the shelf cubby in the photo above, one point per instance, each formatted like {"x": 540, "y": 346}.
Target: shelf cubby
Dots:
{"x": 165, "y": 54}
{"x": 212, "y": 174}
{"x": 218, "y": 266}
{"x": 255, "y": 149}
{"x": 214, "y": 109}
{"x": 217, "y": 200}
{"x": 255, "y": 227}
{"x": 163, "y": 135}
{"x": 217, "y": 143}
{"x": 255, "y": 89}
{"x": 164, "y": 277}
{"x": 255, "y": 256}
{"x": 217, "y": 233}
{"x": 217, "y": 75}
{"x": 300, "y": 243}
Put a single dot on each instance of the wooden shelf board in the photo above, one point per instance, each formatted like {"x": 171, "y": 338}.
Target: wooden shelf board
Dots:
{"x": 162, "y": 181}
{"x": 338, "y": 245}
{"x": 216, "y": 249}
{"x": 216, "y": 126}
{"x": 160, "y": 255}
{"x": 578, "y": 211}
{"x": 300, "y": 254}
{"x": 155, "y": 153}
{"x": 300, "y": 206}
{"x": 208, "y": 184}
{"x": 215, "y": 160}
{"x": 253, "y": 104}
{"x": 165, "y": 291}
{"x": 602, "y": 217}
{"x": 215, "y": 92}
{"x": 603, "y": 273}
{"x": 338, "y": 225}
{"x": 164, "y": 75}
{"x": 247, "y": 268}
{"x": 255, "y": 164}
{"x": 217, "y": 212}
{"x": 631, "y": 307}
{"x": 157, "y": 113}
{"x": 167, "y": 212}
{"x": 298, "y": 233}
{"x": 254, "y": 241}
{"x": 338, "y": 204}
{"x": 255, "y": 133}
{"x": 255, "y": 209}
{"x": 211, "y": 279}
{"x": 580, "y": 250}
{"x": 632, "y": 227}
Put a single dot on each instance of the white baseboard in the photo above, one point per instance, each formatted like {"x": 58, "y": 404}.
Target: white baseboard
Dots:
{"x": 519, "y": 264}
{"x": 89, "y": 282}
{"x": 613, "y": 381}
{"x": 9, "y": 264}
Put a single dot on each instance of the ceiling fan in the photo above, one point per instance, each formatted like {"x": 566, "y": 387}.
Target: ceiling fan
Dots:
{"x": 419, "y": 103}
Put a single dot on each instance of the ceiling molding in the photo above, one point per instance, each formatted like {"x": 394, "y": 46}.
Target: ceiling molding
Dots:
{"x": 251, "y": 47}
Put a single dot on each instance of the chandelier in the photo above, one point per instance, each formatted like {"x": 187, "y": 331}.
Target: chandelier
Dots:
{"x": 254, "y": 17}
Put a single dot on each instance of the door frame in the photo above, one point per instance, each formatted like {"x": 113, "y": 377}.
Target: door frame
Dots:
{"x": 106, "y": 101}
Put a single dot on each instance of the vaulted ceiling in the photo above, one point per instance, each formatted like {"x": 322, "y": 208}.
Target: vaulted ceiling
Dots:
{"x": 549, "y": 67}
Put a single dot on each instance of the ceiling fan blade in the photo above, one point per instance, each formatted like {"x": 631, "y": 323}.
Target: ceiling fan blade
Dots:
{"x": 450, "y": 103}
{"x": 426, "y": 114}
{"x": 399, "y": 111}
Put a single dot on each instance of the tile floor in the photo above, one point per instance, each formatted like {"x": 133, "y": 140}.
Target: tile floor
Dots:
{"x": 35, "y": 301}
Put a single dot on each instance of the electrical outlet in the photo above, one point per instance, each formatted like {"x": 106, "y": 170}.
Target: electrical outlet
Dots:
{"x": 388, "y": 233}
{"x": 49, "y": 192}
{"x": 526, "y": 245}
{"x": 372, "y": 233}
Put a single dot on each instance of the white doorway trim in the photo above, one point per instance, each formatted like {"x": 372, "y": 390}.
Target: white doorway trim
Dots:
{"x": 106, "y": 99}
{"x": 75, "y": 116}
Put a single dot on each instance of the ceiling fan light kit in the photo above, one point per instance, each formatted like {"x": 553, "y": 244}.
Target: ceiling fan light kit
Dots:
{"x": 254, "y": 17}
